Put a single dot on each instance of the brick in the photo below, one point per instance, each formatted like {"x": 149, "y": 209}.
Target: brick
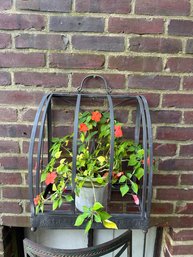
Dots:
{"x": 5, "y": 78}
{"x": 162, "y": 208}
{"x": 11, "y": 130}
{"x": 8, "y": 114}
{"x": 8, "y": 146}
{"x": 165, "y": 149}
{"x": 10, "y": 207}
{"x": 102, "y": 43}
{"x": 155, "y": 82}
{"x": 5, "y": 40}
{"x": 15, "y": 193}
{"x": 12, "y": 60}
{"x": 177, "y": 100}
{"x": 136, "y": 26}
{"x": 181, "y": 28}
{"x": 184, "y": 208}
{"x": 176, "y": 164}
{"x": 10, "y": 178}
{"x": 76, "y": 24}
{"x": 177, "y": 64}
{"x": 188, "y": 83}
{"x": 181, "y": 249}
{"x": 186, "y": 179}
{"x": 189, "y": 46}
{"x": 25, "y": 147}
{"x": 186, "y": 150}
{"x": 158, "y": 45}
{"x": 101, "y": 6}
{"x": 163, "y": 7}
{"x": 182, "y": 235}
{"x": 165, "y": 180}
{"x": 162, "y": 116}
{"x": 172, "y": 221}
{"x": 41, "y": 79}
{"x": 41, "y": 41}
{"x": 174, "y": 133}
{"x": 26, "y": 114}
{"x": 22, "y": 98}
{"x": 115, "y": 81}
{"x": 63, "y": 6}
{"x": 76, "y": 61}
{"x": 5, "y": 4}
{"x": 145, "y": 64}
{"x": 175, "y": 194}
{"x": 16, "y": 221}
{"x": 22, "y": 21}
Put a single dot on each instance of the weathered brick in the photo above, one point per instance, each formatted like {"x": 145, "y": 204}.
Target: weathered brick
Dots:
{"x": 174, "y": 133}
{"x": 181, "y": 27}
{"x": 188, "y": 117}
{"x": 115, "y": 81}
{"x": 26, "y": 114}
{"x": 177, "y": 64}
{"x": 10, "y": 130}
{"x": 45, "y": 5}
{"x": 15, "y": 193}
{"x": 8, "y": 60}
{"x": 7, "y": 114}
{"x": 188, "y": 83}
{"x": 76, "y": 61}
{"x": 5, "y": 40}
{"x": 10, "y": 207}
{"x": 10, "y": 178}
{"x": 102, "y": 43}
{"x": 178, "y": 100}
{"x": 189, "y": 46}
{"x": 186, "y": 150}
{"x": 5, "y": 4}
{"x": 187, "y": 179}
{"x": 158, "y": 45}
{"x": 76, "y": 23}
{"x": 181, "y": 249}
{"x": 162, "y": 208}
{"x": 176, "y": 164}
{"x": 41, "y": 79}
{"x": 136, "y": 26}
{"x": 172, "y": 221}
{"x": 16, "y": 221}
{"x": 182, "y": 235}
{"x": 22, "y": 21}
{"x": 8, "y": 146}
{"x": 175, "y": 194}
{"x": 165, "y": 149}
{"x": 101, "y": 6}
{"x": 136, "y": 63}
{"x": 5, "y": 78}
{"x": 155, "y": 82}
{"x": 162, "y": 116}
{"x": 41, "y": 41}
{"x": 165, "y": 180}
{"x": 22, "y": 98}
{"x": 163, "y": 7}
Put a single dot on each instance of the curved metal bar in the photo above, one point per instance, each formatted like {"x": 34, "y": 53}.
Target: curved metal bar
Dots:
{"x": 145, "y": 155}
{"x": 107, "y": 88}
{"x": 75, "y": 138}
{"x": 31, "y": 150}
{"x": 35, "y": 249}
{"x": 150, "y": 142}
{"x": 40, "y": 144}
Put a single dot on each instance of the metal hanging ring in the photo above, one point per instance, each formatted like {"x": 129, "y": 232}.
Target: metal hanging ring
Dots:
{"x": 107, "y": 88}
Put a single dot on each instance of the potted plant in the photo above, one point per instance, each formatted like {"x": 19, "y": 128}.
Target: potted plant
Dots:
{"x": 92, "y": 169}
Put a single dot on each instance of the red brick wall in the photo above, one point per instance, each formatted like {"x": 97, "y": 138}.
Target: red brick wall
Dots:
{"x": 140, "y": 46}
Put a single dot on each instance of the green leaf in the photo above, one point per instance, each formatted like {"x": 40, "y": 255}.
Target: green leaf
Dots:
{"x": 58, "y": 154}
{"x": 134, "y": 187}
{"x": 124, "y": 189}
{"x": 139, "y": 173}
{"x": 97, "y": 206}
{"x": 99, "y": 180}
{"x": 55, "y": 205}
{"x": 101, "y": 159}
{"x": 43, "y": 177}
{"x": 104, "y": 215}
{"x": 122, "y": 179}
{"x": 88, "y": 226}
{"x": 54, "y": 188}
{"x": 110, "y": 224}
{"x": 79, "y": 220}
{"x": 68, "y": 198}
{"x": 97, "y": 218}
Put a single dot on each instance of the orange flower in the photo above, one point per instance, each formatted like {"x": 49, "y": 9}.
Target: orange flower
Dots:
{"x": 83, "y": 127}
{"x": 37, "y": 200}
{"x": 96, "y": 116}
{"x": 50, "y": 178}
{"x": 118, "y": 131}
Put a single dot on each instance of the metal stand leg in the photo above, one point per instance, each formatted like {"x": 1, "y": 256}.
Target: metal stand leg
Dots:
{"x": 144, "y": 243}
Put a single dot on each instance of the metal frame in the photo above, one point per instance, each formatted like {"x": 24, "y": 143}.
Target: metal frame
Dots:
{"x": 43, "y": 125}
